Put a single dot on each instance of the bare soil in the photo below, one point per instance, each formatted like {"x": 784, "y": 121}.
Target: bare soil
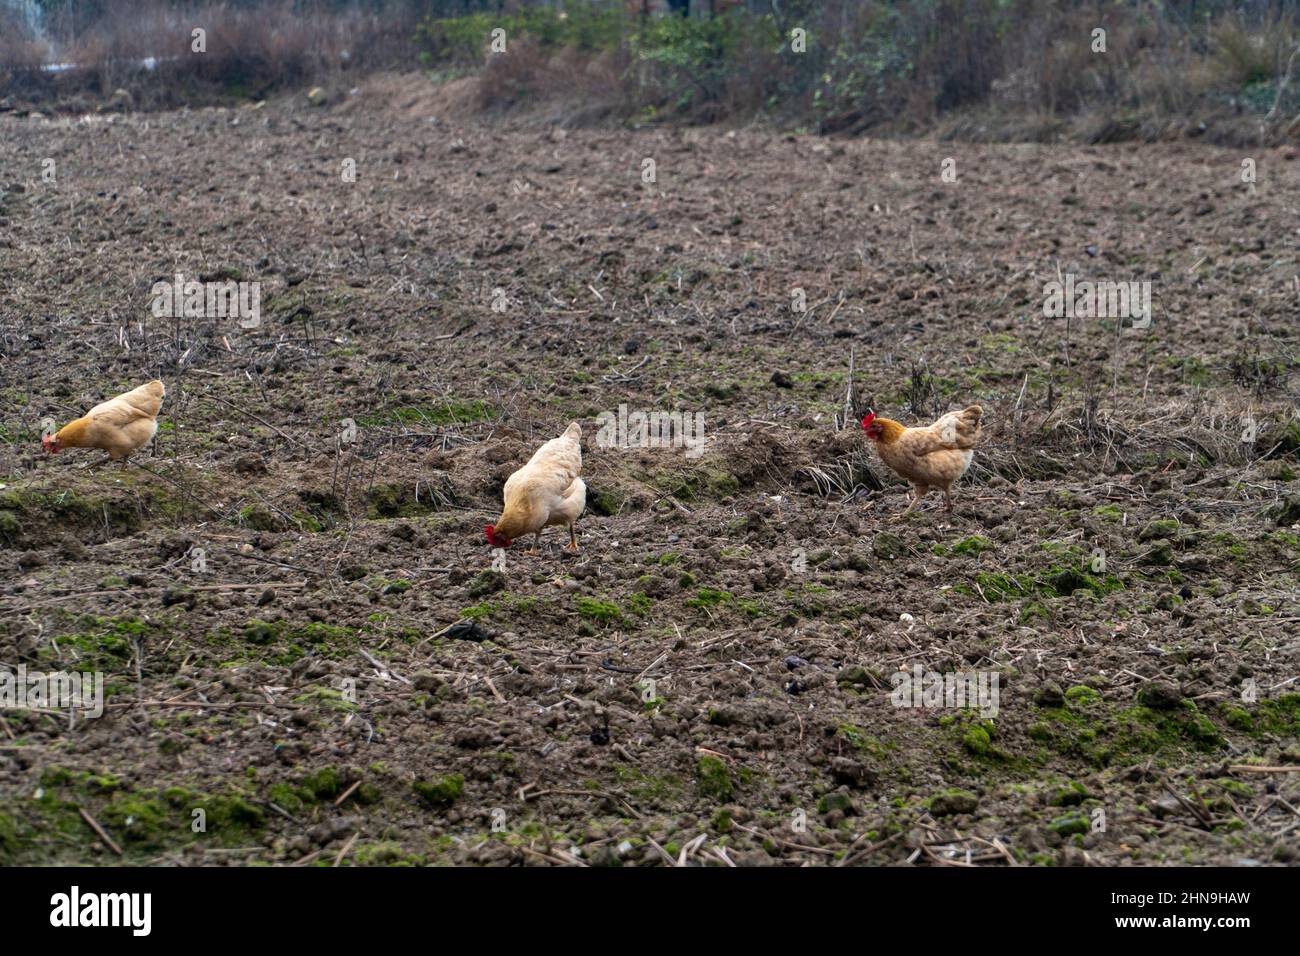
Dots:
{"x": 305, "y": 687}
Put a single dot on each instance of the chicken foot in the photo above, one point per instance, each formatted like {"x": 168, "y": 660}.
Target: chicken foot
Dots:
{"x": 914, "y": 496}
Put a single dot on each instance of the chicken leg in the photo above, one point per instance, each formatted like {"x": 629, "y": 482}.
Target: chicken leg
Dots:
{"x": 573, "y": 539}
{"x": 918, "y": 492}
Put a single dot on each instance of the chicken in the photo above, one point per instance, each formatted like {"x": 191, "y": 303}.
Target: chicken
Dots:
{"x": 933, "y": 457}
{"x": 547, "y": 491}
{"x": 119, "y": 426}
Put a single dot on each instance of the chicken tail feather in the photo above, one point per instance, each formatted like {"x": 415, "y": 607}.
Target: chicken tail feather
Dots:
{"x": 966, "y": 427}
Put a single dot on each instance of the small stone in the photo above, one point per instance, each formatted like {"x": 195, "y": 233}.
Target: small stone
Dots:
{"x": 851, "y": 773}
{"x": 1049, "y": 695}
{"x": 836, "y": 802}
{"x": 722, "y": 715}
{"x": 855, "y": 676}
{"x": 426, "y": 682}
{"x": 1072, "y": 856}
{"x": 331, "y": 830}
{"x": 1165, "y": 807}
{"x": 250, "y": 464}
{"x": 1159, "y": 696}
{"x": 953, "y": 802}
{"x": 485, "y": 583}
{"x": 71, "y": 547}
{"x": 181, "y": 596}
{"x": 467, "y": 631}
{"x": 472, "y": 738}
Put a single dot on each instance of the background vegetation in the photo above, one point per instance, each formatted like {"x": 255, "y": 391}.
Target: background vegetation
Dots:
{"x": 983, "y": 69}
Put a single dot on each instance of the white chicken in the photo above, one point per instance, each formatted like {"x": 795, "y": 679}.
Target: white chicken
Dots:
{"x": 547, "y": 491}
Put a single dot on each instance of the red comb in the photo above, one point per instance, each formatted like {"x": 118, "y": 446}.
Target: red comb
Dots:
{"x": 870, "y": 417}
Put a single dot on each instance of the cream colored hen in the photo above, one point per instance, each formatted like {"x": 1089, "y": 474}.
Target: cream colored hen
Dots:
{"x": 547, "y": 491}
{"x": 118, "y": 426}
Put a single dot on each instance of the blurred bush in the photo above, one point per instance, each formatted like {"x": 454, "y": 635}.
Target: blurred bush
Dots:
{"x": 995, "y": 69}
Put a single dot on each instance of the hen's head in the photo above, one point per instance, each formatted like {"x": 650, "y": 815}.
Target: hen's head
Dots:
{"x": 872, "y": 427}
{"x": 51, "y": 444}
{"x": 496, "y": 540}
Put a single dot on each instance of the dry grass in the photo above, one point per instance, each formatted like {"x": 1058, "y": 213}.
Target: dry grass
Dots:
{"x": 527, "y": 73}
